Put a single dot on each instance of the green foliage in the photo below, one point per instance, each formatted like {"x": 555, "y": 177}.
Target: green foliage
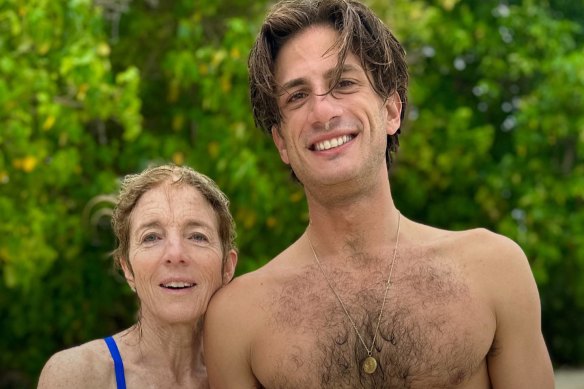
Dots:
{"x": 493, "y": 138}
{"x": 57, "y": 91}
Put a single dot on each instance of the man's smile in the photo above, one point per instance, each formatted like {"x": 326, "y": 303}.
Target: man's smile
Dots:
{"x": 331, "y": 143}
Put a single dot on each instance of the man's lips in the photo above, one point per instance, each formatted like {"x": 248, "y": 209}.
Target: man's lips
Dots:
{"x": 331, "y": 143}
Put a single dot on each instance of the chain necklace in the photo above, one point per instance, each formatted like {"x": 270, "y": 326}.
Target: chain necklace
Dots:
{"x": 369, "y": 364}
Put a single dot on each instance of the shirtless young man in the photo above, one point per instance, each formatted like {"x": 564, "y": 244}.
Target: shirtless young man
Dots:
{"x": 365, "y": 298}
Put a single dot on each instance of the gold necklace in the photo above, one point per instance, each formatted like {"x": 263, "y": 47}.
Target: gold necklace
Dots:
{"x": 369, "y": 364}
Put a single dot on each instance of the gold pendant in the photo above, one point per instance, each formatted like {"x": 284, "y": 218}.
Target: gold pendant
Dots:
{"x": 369, "y": 365}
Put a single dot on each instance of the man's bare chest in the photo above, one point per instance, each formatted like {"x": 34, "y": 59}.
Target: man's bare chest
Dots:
{"x": 434, "y": 331}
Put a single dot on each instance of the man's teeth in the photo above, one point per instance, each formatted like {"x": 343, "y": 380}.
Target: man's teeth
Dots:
{"x": 177, "y": 285}
{"x": 330, "y": 143}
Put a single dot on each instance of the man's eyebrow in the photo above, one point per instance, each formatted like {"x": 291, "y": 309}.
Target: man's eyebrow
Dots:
{"x": 346, "y": 68}
{"x": 291, "y": 84}
{"x": 329, "y": 74}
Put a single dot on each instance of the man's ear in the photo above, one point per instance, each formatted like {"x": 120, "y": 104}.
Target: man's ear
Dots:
{"x": 229, "y": 266}
{"x": 280, "y": 144}
{"x": 393, "y": 106}
{"x": 129, "y": 274}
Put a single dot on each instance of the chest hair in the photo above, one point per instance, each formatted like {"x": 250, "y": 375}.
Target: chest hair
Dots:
{"x": 422, "y": 338}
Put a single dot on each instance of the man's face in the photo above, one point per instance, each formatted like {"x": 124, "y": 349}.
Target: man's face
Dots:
{"x": 329, "y": 138}
{"x": 175, "y": 253}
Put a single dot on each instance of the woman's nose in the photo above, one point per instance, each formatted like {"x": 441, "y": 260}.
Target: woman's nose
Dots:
{"x": 174, "y": 251}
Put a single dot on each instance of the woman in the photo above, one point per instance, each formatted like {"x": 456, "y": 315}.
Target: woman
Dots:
{"x": 176, "y": 248}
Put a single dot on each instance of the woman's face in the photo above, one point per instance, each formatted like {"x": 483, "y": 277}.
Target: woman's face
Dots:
{"x": 175, "y": 254}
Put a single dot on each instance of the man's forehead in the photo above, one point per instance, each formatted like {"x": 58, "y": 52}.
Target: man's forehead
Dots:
{"x": 314, "y": 43}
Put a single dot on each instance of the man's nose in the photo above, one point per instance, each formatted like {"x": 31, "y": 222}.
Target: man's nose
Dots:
{"x": 325, "y": 107}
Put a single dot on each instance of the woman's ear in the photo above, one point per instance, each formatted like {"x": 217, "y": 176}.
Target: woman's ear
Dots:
{"x": 280, "y": 144}
{"x": 129, "y": 274}
{"x": 229, "y": 266}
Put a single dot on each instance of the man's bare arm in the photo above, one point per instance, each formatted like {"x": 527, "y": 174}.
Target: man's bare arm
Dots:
{"x": 519, "y": 357}
{"x": 227, "y": 343}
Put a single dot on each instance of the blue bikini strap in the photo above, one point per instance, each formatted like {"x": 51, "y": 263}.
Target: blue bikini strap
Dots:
{"x": 118, "y": 364}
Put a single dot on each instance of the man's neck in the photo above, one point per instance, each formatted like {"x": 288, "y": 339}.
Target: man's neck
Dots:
{"x": 368, "y": 219}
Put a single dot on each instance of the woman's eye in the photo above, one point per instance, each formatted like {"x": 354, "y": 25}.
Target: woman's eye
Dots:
{"x": 199, "y": 237}
{"x": 150, "y": 238}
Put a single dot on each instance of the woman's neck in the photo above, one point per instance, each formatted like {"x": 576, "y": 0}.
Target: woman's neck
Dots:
{"x": 176, "y": 349}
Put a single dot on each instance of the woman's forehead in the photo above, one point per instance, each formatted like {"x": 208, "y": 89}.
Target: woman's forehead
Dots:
{"x": 173, "y": 203}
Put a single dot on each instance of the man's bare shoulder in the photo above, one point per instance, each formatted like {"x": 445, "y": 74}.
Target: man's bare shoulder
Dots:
{"x": 270, "y": 275}
{"x": 245, "y": 290}
{"x": 480, "y": 244}
{"x": 254, "y": 292}
{"x": 87, "y": 365}
{"x": 489, "y": 257}
{"x": 475, "y": 244}
{"x": 491, "y": 260}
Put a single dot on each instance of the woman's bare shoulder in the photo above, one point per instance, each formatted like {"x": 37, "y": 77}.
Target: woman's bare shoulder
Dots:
{"x": 88, "y": 365}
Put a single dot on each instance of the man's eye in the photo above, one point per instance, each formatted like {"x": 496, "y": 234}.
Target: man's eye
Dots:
{"x": 345, "y": 84}
{"x": 296, "y": 96}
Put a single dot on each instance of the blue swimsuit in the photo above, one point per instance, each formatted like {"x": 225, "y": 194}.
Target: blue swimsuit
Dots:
{"x": 118, "y": 364}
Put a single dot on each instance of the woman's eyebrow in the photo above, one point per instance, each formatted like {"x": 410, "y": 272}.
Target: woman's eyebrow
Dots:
{"x": 198, "y": 223}
{"x": 147, "y": 224}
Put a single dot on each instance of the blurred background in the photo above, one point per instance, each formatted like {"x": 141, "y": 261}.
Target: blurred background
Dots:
{"x": 93, "y": 90}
